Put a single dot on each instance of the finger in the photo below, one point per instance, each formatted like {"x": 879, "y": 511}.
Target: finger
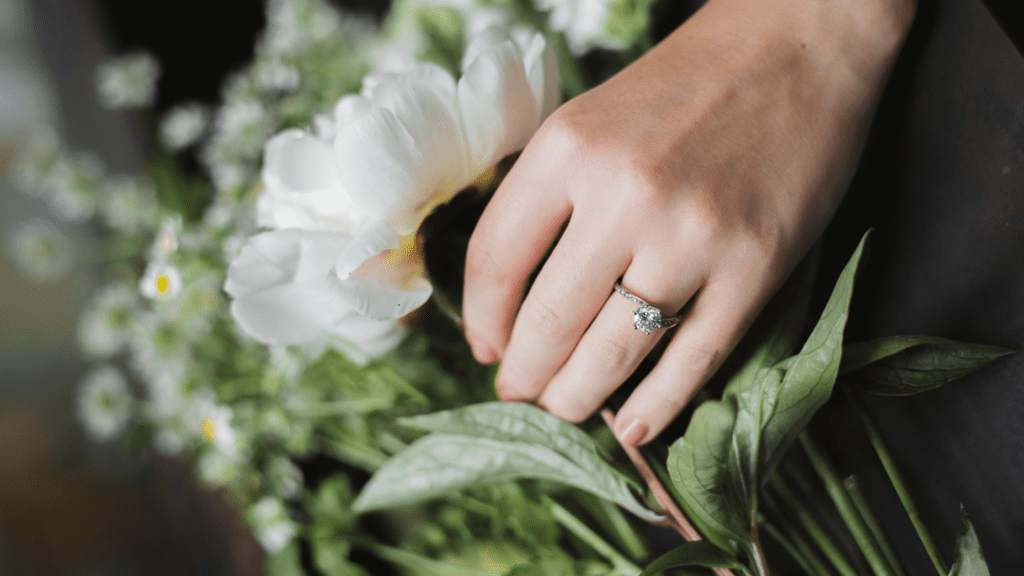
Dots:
{"x": 721, "y": 314}
{"x": 514, "y": 233}
{"x": 612, "y": 348}
{"x": 568, "y": 292}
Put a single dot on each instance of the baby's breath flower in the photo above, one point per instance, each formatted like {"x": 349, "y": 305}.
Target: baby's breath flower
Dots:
{"x": 127, "y": 81}
{"x": 241, "y": 126}
{"x": 129, "y": 204}
{"x": 106, "y": 325}
{"x": 158, "y": 347}
{"x": 182, "y": 125}
{"x": 104, "y": 402}
{"x": 273, "y": 75}
{"x": 71, "y": 185}
{"x": 40, "y": 250}
{"x": 167, "y": 239}
{"x": 269, "y": 519}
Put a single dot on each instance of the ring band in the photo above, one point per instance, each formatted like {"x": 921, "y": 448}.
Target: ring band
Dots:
{"x": 646, "y": 317}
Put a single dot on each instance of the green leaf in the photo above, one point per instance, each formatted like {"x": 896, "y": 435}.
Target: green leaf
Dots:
{"x": 700, "y": 553}
{"x": 439, "y": 464}
{"x": 515, "y": 421}
{"x": 969, "y": 560}
{"x": 809, "y": 376}
{"x": 775, "y": 402}
{"x": 330, "y": 555}
{"x": 903, "y": 365}
{"x": 286, "y": 562}
{"x": 698, "y": 464}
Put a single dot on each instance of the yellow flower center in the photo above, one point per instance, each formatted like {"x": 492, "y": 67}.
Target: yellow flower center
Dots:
{"x": 163, "y": 284}
{"x": 209, "y": 429}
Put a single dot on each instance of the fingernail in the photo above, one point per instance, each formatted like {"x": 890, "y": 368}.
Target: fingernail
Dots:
{"x": 633, "y": 434}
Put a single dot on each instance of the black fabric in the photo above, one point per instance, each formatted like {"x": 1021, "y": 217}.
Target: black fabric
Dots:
{"x": 942, "y": 182}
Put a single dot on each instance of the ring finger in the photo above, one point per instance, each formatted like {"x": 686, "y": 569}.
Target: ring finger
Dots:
{"x": 612, "y": 348}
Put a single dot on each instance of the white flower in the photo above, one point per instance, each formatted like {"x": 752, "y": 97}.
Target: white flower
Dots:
{"x": 127, "y": 81}
{"x": 182, "y": 125}
{"x": 104, "y": 402}
{"x": 212, "y": 421}
{"x": 128, "y": 204}
{"x": 106, "y": 325}
{"x": 168, "y": 441}
{"x": 293, "y": 24}
{"x": 269, "y": 519}
{"x": 274, "y": 75}
{"x": 167, "y": 239}
{"x": 582, "y": 22}
{"x": 285, "y": 475}
{"x": 344, "y": 204}
{"x": 241, "y": 126}
{"x": 159, "y": 347}
{"x": 217, "y": 468}
{"x": 162, "y": 281}
{"x": 40, "y": 250}
{"x": 71, "y": 186}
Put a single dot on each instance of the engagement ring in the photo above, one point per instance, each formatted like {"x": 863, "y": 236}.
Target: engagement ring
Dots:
{"x": 646, "y": 317}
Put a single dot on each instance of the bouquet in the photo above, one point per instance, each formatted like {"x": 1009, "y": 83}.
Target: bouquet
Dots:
{"x": 294, "y": 309}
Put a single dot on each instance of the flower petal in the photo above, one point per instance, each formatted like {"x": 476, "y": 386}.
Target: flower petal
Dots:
{"x": 302, "y": 188}
{"x": 373, "y": 300}
{"x": 379, "y": 164}
{"x": 280, "y": 286}
{"x": 365, "y": 246}
{"x": 497, "y": 106}
{"x": 543, "y": 73}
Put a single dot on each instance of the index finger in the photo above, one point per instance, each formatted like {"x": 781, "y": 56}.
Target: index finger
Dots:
{"x": 516, "y": 229}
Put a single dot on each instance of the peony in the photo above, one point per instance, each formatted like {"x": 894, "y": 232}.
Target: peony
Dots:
{"x": 343, "y": 203}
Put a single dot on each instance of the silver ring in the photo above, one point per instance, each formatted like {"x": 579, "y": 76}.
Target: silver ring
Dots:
{"x": 646, "y": 317}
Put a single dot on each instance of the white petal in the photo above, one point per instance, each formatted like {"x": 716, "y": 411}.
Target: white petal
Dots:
{"x": 373, "y": 300}
{"x": 351, "y": 107}
{"x": 379, "y": 163}
{"x": 280, "y": 286}
{"x": 542, "y": 73}
{"x": 374, "y": 337}
{"x": 302, "y": 188}
{"x": 486, "y": 40}
{"x": 499, "y": 113}
{"x": 365, "y": 246}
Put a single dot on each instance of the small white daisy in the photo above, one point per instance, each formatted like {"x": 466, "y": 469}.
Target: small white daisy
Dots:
{"x": 104, "y": 402}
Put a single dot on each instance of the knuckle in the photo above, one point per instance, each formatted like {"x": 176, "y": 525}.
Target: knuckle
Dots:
{"x": 565, "y": 131}
{"x": 511, "y": 390}
{"x": 614, "y": 353}
{"x": 484, "y": 262}
{"x": 546, "y": 320}
{"x": 700, "y": 361}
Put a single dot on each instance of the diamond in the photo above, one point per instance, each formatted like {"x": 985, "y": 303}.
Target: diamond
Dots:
{"x": 647, "y": 318}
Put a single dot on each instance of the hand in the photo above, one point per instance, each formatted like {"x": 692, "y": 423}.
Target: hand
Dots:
{"x": 703, "y": 171}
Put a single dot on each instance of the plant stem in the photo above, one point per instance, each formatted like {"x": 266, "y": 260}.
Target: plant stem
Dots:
{"x": 857, "y": 495}
{"x": 845, "y": 505}
{"x": 418, "y": 563}
{"x": 583, "y": 532}
{"x": 810, "y": 524}
{"x": 901, "y": 488}
{"x": 788, "y": 546}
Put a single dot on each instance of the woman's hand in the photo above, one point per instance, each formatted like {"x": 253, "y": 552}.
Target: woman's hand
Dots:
{"x": 704, "y": 171}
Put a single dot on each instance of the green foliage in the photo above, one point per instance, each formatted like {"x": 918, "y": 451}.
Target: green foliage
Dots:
{"x": 969, "y": 560}
{"x": 731, "y": 446}
{"x": 903, "y": 365}
{"x": 700, "y": 553}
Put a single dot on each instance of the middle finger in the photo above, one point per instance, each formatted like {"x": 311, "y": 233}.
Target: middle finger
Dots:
{"x": 568, "y": 292}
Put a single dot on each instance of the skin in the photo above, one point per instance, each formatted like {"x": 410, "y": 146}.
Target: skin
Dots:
{"x": 705, "y": 170}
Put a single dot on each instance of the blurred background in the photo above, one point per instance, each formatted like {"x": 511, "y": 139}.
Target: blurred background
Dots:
{"x": 942, "y": 180}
